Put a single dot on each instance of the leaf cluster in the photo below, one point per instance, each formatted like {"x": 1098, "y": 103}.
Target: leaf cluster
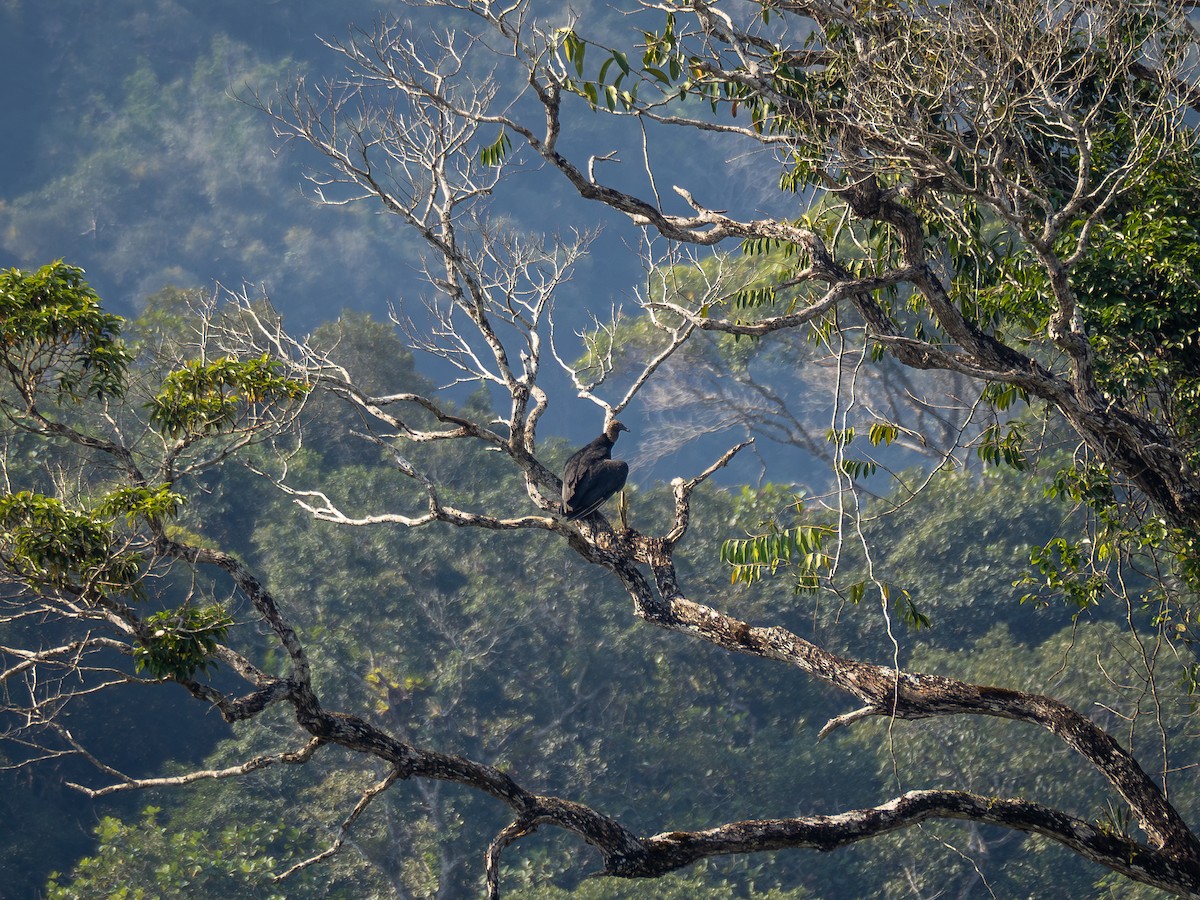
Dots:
{"x": 50, "y": 546}
{"x": 800, "y": 548}
{"x": 53, "y": 329}
{"x": 201, "y": 398}
{"x": 172, "y": 863}
{"x": 180, "y": 642}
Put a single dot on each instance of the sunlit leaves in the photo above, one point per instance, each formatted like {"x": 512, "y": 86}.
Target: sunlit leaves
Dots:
{"x": 181, "y": 641}
{"x": 1002, "y": 396}
{"x": 612, "y": 94}
{"x": 660, "y": 52}
{"x": 49, "y": 546}
{"x": 1138, "y": 296}
{"x": 53, "y": 331}
{"x": 391, "y": 688}
{"x": 800, "y": 549}
{"x": 680, "y": 72}
{"x": 152, "y": 505}
{"x": 1065, "y": 573}
{"x": 1088, "y": 484}
{"x": 803, "y": 552}
{"x": 81, "y": 554}
{"x": 878, "y": 433}
{"x": 226, "y": 859}
{"x": 882, "y": 433}
{"x": 574, "y": 48}
{"x": 201, "y": 398}
{"x": 840, "y": 437}
{"x": 774, "y": 267}
{"x": 902, "y": 601}
{"x": 494, "y": 154}
{"x": 1076, "y": 571}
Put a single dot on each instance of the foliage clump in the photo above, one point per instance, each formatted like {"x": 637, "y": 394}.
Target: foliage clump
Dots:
{"x": 53, "y": 328}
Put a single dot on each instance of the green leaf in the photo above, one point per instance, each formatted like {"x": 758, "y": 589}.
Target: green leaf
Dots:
{"x": 142, "y": 503}
{"x": 858, "y": 468}
{"x": 494, "y": 154}
{"x": 201, "y": 398}
{"x": 49, "y": 546}
{"x": 180, "y": 641}
{"x": 54, "y": 331}
{"x": 882, "y": 433}
{"x": 658, "y": 74}
{"x": 574, "y": 47}
{"x": 610, "y": 97}
{"x": 840, "y": 437}
{"x": 798, "y": 549}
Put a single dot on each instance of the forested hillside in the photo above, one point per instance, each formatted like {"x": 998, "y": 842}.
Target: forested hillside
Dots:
{"x": 899, "y": 305}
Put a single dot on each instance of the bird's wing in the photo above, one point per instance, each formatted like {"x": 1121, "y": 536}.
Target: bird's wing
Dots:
{"x": 597, "y": 482}
{"x": 574, "y": 474}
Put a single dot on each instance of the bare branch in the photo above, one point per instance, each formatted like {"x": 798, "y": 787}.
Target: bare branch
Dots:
{"x": 683, "y": 493}
{"x": 297, "y": 757}
{"x": 368, "y": 795}
{"x": 846, "y": 719}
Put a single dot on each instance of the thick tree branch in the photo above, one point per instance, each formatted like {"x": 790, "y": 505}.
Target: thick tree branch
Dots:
{"x": 672, "y": 850}
{"x": 914, "y": 696}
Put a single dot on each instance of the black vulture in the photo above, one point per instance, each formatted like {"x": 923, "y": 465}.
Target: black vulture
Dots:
{"x": 592, "y": 476}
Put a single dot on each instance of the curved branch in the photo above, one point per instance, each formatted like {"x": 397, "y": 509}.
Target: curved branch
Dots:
{"x": 886, "y": 691}
{"x": 269, "y": 692}
{"x": 255, "y": 592}
{"x": 675, "y": 849}
{"x": 910, "y": 695}
{"x": 508, "y": 835}
{"x": 296, "y": 757}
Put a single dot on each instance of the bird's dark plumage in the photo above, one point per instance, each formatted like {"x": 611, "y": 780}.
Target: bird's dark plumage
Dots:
{"x": 592, "y": 476}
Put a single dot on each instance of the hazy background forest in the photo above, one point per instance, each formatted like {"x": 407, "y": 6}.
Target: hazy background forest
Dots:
{"x": 128, "y": 152}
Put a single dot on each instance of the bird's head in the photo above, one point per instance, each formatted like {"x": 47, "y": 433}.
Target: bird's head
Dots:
{"x": 613, "y": 428}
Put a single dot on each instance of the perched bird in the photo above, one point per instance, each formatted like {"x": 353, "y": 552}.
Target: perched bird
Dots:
{"x": 592, "y": 476}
